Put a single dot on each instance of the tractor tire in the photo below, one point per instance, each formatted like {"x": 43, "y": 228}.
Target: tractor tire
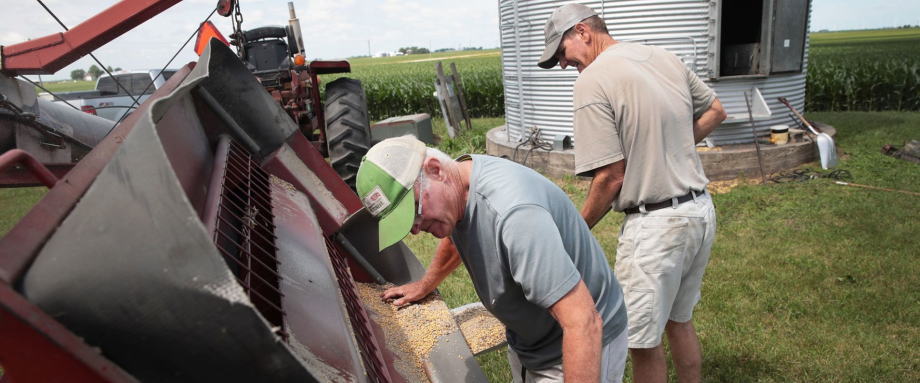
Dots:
{"x": 348, "y": 134}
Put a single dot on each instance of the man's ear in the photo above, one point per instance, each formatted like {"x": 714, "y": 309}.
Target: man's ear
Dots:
{"x": 584, "y": 32}
{"x": 434, "y": 169}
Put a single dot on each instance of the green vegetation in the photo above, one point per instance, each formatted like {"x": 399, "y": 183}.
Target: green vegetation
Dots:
{"x": 404, "y": 85}
{"x": 15, "y": 203}
{"x": 851, "y": 70}
{"x": 67, "y": 86}
{"x": 864, "y": 70}
{"x": 807, "y": 281}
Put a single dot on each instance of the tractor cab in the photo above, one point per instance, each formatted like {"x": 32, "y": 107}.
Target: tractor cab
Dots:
{"x": 268, "y": 53}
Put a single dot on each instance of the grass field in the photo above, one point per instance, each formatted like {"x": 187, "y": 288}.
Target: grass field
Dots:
{"x": 67, "y": 86}
{"x": 849, "y": 38}
{"x": 808, "y": 281}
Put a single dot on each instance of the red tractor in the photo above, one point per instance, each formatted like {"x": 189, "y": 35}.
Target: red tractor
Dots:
{"x": 340, "y": 127}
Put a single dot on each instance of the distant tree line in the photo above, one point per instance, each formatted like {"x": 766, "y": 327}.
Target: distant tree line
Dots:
{"x": 462, "y": 49}
{"x": 413, "y": 50}
{"x": 905, "y": 26}
{"x": 94, "y": 72}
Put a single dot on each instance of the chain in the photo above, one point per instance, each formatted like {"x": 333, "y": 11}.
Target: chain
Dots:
{"x": 238, "y": 29}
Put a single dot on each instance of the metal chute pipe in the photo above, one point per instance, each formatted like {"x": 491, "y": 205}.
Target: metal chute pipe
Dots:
{"x": 228, "y": 120}
{"x": 358, "y": 257}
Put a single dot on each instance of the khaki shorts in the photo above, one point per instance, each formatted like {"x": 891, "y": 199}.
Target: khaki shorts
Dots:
{"x": 613, "y": 363}
{"x": 660, "y": 262}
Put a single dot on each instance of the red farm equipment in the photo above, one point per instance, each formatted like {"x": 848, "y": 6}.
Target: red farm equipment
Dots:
{"x": 339, "y": 128}
{"x": 205, "y": 238}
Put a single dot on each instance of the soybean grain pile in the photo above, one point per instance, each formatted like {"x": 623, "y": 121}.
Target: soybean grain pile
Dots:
{"x": 411, "y": 331}
{"x": 481, "y": 330}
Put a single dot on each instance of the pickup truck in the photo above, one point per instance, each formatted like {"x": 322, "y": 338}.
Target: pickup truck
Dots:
{"x": 111, "y": 102}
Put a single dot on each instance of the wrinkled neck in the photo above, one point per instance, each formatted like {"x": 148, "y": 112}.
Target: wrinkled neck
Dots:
{"x": 459, "y": 176}
{"x": 600, "y": 43}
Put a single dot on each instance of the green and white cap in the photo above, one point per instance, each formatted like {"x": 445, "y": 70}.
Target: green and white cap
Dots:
{"x": 384, "y": 185}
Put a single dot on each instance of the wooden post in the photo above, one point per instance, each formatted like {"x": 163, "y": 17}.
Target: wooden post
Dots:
{"x": 461, "y": 97}
{"x": 441, "y": 103}
{"x": 440, "y": 84}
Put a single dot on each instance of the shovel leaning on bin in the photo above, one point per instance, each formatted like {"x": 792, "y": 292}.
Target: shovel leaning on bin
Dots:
{"x": 826, "y": 150}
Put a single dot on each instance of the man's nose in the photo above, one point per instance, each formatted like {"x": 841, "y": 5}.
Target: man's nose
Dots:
{"x": 563, "y": 63}
{"x": 416, "y": 226}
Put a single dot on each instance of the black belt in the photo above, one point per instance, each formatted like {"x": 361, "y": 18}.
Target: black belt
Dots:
{"x": 663, "y": 204}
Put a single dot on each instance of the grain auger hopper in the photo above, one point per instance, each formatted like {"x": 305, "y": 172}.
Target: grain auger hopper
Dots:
{"x": 206, "y": 239}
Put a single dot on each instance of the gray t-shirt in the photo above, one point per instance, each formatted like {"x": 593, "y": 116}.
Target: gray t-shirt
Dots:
{"x": 526, "y": 246}
{"x": 638, "y": 103}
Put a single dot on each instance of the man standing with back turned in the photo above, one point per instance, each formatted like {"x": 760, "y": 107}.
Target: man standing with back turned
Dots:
{"x": 639, "y": 111}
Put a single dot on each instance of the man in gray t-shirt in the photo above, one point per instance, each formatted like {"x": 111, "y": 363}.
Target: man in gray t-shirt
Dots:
{"x": 533, "y": 261}
{"x": 639, "y": 112}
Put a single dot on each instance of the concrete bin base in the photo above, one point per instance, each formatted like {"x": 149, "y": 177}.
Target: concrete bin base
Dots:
{"x": 720, "y": 163}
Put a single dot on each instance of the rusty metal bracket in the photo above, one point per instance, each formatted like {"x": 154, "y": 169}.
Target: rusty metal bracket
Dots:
{"x": 19, "y": 156}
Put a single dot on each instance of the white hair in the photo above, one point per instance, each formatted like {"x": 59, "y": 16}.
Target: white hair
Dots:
{"x": 442, "y": 157}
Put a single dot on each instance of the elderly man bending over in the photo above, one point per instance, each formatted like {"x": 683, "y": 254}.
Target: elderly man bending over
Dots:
{"x": 533, "y": 261}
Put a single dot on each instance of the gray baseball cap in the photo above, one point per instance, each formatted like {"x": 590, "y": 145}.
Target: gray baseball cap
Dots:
{"x": 561, "y": 20}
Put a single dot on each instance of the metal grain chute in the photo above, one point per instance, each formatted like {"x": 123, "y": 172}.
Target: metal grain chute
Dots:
{"x": 211, "y": 246}
{"x": 54, "y": 134}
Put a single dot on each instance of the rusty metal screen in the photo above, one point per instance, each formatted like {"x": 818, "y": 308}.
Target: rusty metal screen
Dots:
{"x": 244, "y": 234}
{"x": 370, "y": 350}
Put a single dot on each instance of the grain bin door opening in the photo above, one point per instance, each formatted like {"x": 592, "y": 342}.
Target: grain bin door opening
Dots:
{"x": 742, "y": 46}
{"x": 789, "y": 31}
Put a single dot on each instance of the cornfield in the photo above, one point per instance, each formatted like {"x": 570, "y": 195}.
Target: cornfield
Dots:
{"x": 864, "y": 71}
{"x": 847, "y": 71}
{"x": 405, "y": 85}
{"x": 854, "y": 70}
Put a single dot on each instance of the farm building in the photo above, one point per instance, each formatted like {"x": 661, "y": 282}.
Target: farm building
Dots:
{"x": 738, "y": 48}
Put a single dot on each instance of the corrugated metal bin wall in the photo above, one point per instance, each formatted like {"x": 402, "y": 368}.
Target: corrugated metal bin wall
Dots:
{"x": 540, "y": 98}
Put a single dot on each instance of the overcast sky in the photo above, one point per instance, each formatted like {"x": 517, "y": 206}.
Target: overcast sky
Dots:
{"x": 343, "y": 28}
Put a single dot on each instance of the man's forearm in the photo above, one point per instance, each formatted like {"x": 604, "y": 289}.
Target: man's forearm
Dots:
{"x": 582, "y": 331}
{"x": 446, "y": 259}
{"x": 605, "y": 187}
{"x": 581, "y": 353}
{"x": 709, "y": 121}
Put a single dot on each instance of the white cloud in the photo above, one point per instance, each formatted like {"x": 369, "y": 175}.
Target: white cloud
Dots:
{"x": 7, "y": 38}
{"x": 331, "y": 28}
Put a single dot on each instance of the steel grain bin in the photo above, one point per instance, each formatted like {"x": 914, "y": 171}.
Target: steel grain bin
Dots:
{"x": 734, "y": 47}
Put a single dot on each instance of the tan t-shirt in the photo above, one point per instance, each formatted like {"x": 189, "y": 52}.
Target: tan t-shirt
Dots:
{"x": 639, "y": 102}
